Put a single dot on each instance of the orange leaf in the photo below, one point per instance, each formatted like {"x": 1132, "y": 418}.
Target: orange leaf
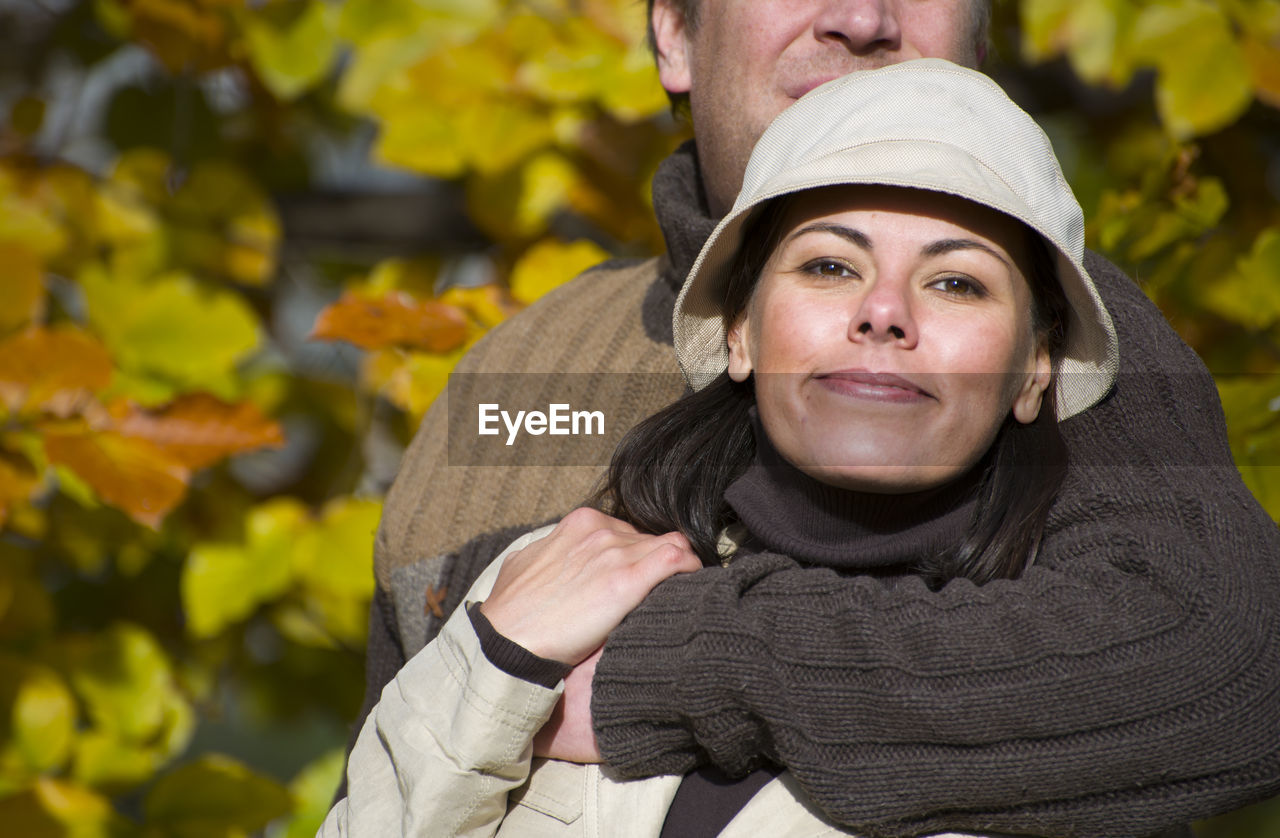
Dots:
{"x": 52, "y": 369}
{"x": 197, "y": 430}
{"x": 392, "y": 320}
{"x": 184, "y": 36}
{"x": 1264, "y": 66}
{"x": 134, "y": 475}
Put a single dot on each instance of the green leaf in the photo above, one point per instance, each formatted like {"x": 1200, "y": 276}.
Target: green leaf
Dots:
{"x": 1251, "y": 295}
{"x": 56, "y": 809}
{"x": 293, "y": 57}
{"x": 171, "y": 328}
{"x": 312, "y": 792}
{"x": 37, "y": 721}
{"x": 214, "y": 795}
{"x": 521, "y": 202}
{"x": 223, "y": 584}
{"x": 126, "y": 684}
{"x": 1097, "y": 30}
{"x": 224, "y": 224}
{"x": 336, "y": 556}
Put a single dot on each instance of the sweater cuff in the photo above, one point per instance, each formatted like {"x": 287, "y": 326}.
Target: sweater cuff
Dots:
{"x": 511, "y": 657}
{"x": 636, "y": 694}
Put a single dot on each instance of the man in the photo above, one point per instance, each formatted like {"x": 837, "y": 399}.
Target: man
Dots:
{"x": 1119, "y": 693}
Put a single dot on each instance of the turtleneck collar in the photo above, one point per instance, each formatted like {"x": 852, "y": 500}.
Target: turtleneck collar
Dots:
{"x": 789, "y": 512}
{"x": 680, "y": 203}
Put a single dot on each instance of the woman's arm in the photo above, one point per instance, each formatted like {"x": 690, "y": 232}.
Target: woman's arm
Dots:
{"x": 449, "y": 738}
{"x": 451, "y": 734}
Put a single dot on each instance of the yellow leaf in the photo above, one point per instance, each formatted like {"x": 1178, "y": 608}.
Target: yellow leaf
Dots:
{"x": 293, "y": 57}
{"x": 498, "y": 134}
{"x": 380, "y": 61}
{"x": 634, "y": 92}
{"x": 551, "y": 263}
{"x": 325, "y": 620}
{"x": 223, "y": 584}
{"x": 487, "y": 304}
{"x": 336, "y": 556}
{"x": 23, "y": 285}
{"x": 171, "y": 328}
{"x": 140, "y": 176}
{"x": 1203, "y": 81}
{"x": 25, "y": 222}
{"x": 1095, "y": 31}
{"x": 1044, "y": 27}
{"x": 392, "y": 320}
{"x": 362, "y": 20}
{"x": 415, "y": 276}
{"x": 427, "y": 143}
{"x": 410, "y": 380}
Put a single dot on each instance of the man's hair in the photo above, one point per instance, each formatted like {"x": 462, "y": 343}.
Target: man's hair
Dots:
{"x": 980, "y": 22}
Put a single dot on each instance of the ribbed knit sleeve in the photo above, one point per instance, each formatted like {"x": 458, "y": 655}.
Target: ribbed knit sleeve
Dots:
{"x": 1129, "y": 681}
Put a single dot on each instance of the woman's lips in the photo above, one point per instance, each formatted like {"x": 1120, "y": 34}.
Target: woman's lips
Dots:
{"x": 876, "y": 386}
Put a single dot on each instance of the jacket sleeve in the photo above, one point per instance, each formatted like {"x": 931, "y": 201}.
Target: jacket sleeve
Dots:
{"x": 450, "y": 736}
{"x": 1127, "y": 682}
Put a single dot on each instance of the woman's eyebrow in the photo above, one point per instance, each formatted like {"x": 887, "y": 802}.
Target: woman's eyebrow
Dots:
{"x": 943, "y": 246}
{"x": 855, "y": 236}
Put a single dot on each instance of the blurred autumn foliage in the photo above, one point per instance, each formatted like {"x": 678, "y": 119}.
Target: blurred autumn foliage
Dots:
{"x": 206, "y": 206}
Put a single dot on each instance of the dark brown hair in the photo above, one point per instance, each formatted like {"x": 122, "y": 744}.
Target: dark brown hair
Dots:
{"x": 670, "y": 472}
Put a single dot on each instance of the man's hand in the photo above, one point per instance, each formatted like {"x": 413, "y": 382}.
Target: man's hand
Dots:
{"x": 568, "y": 734}
{"x": 562, "y": 595}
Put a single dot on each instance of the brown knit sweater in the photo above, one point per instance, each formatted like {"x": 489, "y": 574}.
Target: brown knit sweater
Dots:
{"x": 1127, "y": 682}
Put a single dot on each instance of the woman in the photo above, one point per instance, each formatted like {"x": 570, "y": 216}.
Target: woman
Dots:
{"x": 879, "y": 336}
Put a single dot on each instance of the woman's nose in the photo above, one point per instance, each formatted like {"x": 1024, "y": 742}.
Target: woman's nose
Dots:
{"x": 861, "y": 26}
{"x": 884, "y": 315}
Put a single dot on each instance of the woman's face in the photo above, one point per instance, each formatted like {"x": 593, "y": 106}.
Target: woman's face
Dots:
{"x": 890, "y": 335}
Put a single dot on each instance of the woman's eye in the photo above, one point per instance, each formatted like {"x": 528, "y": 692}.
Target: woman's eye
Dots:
{"x": 960, "y": 286}
{"x": 829, "y": 267}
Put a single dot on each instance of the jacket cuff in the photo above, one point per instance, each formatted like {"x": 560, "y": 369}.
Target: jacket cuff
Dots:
{"x": 511, "y": 657}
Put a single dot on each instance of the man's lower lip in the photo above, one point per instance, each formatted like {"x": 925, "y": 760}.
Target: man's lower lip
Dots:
{"x": 871, "y": 392}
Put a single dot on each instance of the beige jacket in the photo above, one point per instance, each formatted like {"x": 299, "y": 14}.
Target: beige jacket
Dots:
{"x": 447, "y": 751}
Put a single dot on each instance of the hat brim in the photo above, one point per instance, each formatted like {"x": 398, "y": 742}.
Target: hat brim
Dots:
{"x": 1091, "y": 358}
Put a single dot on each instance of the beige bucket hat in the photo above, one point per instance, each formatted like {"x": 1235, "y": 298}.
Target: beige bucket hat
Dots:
{"x": 924, "y": 124}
